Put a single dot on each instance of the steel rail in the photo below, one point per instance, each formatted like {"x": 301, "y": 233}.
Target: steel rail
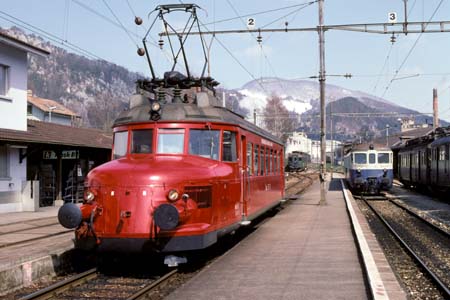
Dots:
{"x": 445, "y": 289}
{"x": 29, "y": 228}
{"x": 142, "y": 293}
{"x": 414, "y": 214}
{"x": 59, "y": 287}
{"x": 25, "y": 221}
{"x": 36, "y": 238}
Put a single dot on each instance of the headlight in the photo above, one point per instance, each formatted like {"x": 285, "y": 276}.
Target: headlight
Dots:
{"x": 89, "y": 196}
{"x": 173, "y": 195}
{"x": 155, "y": 106}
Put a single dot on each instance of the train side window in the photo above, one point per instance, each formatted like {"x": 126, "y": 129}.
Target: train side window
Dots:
{"x": 170, "y": 140}
{"x": 249, "y": 158}
{"x": 360, "y": 158}
{"x": 372, "y": 158}
{"x": 271, "y": 161}
{"x": 142, "y": 141}
{"x": 442, "y": 153}
{"x": 256, "y": 161}
{"x": 383, "y": 158}
{"x": 267, "y": 161}
{"x": 204, "y": 143}
{"x": 120, "y": 144}
{"x": 275, "y": 161}
{"x": 262, "y": 158}
{"x": 229, "y": 146}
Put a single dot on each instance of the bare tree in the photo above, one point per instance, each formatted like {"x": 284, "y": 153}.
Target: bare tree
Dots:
{"x": 277, "y": 119}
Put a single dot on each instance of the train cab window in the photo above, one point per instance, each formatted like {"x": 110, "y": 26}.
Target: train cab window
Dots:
{"x": 120, "y": 144}
{"x": 372, "y": 158}
{"x": 383, "y": 158}
{"x": 256, "y": 160}
{"x": 204, "y": 143}
{"x": 360, "y": 158}
{"x": 249, "y": 159}
{"x": 229, "y": 146}
{"x": 142, "y": 141}
{"x": 170, "y": 140}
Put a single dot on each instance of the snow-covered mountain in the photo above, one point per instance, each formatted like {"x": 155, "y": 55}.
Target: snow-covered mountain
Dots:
{"x": 298, "y": 95}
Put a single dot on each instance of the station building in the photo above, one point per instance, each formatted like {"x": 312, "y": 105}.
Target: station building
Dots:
{"x": 44, "y": 157}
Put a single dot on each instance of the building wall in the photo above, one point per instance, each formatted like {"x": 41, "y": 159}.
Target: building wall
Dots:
{"x": 11, "y": 186}
{"x": 45, "y": 116}
{"x": 13, "y": 107}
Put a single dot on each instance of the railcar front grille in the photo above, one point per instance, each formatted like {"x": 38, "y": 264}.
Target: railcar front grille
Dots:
{"x": 202, "y": 195}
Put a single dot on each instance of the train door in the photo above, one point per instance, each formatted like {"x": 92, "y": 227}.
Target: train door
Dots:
{"x": 245, "y": 179}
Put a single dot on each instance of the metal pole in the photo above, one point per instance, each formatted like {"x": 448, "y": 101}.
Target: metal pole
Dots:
{"x": 332, "y": 143}
{"x": 322, "y": 105}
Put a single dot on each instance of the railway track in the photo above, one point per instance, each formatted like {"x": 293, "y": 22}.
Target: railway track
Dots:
{"x": 425, "y": 242}
{"x": 92, "y": 284}
{"x": 303, "y": 180}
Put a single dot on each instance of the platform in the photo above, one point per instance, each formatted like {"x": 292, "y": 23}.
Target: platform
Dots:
{"x": 24, "y": 255}
{"x": 307, "y": 251}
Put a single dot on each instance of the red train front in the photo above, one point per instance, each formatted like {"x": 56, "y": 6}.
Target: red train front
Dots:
{"x": 183, "y": 174}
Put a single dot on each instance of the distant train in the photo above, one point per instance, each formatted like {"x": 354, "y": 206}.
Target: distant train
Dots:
{"x": 424, "y": 163}
{"x": 369, "y": 170}
{"x": 297, "y": 161}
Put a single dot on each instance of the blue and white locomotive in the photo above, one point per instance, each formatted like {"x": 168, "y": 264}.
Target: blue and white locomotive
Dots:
{"x": 368, "y": 170}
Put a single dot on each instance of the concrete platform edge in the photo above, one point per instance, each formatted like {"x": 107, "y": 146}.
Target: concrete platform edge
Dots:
{"x": 23, "y": 274}
{"x": 376, "y": 284}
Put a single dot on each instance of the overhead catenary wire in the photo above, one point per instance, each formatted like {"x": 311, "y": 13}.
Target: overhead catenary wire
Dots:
{"x": 22, "y": 24}
{"x": 411, "y": 50}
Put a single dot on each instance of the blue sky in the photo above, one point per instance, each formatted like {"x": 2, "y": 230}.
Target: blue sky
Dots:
{"x": 286, "y": 55}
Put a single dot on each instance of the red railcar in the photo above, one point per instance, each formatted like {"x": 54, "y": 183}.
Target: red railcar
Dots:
{"x": 196, "y": 172}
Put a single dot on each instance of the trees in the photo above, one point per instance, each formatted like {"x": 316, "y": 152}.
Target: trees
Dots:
{"x": 277, "y": 119}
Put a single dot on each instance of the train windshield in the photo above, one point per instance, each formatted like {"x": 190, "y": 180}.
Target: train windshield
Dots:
{"x": 383, "y": 157}
{"x": 170, "y": 140}
{"x": 142, "y": 141}
{"x": 360, "y": 158}
{"x": 372, "y": 158}
{"x": 204, "y": 143}
{"x": 120, "y": 144}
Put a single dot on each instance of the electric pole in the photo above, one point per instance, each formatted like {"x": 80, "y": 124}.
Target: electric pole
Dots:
{"x": 323, "y": 141}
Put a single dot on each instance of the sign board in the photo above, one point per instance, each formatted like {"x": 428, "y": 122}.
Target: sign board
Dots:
{"x": 49, "y": 154}
{"x": 251, "y": 23}
{"x": 392, "y": 17}
{"x": 65, "y": 154}
{"x": 70, "y": 154}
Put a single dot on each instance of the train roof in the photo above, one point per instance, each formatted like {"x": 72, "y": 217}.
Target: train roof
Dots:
{"x": 434, "y": 138}
{"x": 204, "y": 108}
{"x": 366, "y": 147}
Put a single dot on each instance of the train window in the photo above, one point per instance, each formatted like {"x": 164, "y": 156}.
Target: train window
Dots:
{"x": 229, "y": 146}
{"x": 256, "y": 161}
{"x": 271, "y": 161}
{"x": 267, "y": 161}
{"x": 249, "y": 158}
{"x": 360, "y": 158}
{"x": 204, "y": 143}
{"x": 372, "y": 158}
{"x": 383, "y": 157}
{"x": 170, "y": 140}
{"x": 262, "y": 159}
{"x": 142, "y": 141}
{"x": 275, "y": 162}
{"x": 120, "y": 143}
{"x": 442, "y": 153}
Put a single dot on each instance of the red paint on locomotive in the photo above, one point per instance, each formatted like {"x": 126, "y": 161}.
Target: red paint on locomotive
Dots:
{"x": 153, "y": 195}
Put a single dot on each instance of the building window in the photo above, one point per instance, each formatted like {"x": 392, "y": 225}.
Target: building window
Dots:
{"x": 4, "y": 80}
{"x": 4, "y": 168}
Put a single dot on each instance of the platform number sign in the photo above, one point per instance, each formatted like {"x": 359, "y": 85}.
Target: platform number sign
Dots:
{"x": 251, "y": 23}
{"x": 392, "y": 17}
